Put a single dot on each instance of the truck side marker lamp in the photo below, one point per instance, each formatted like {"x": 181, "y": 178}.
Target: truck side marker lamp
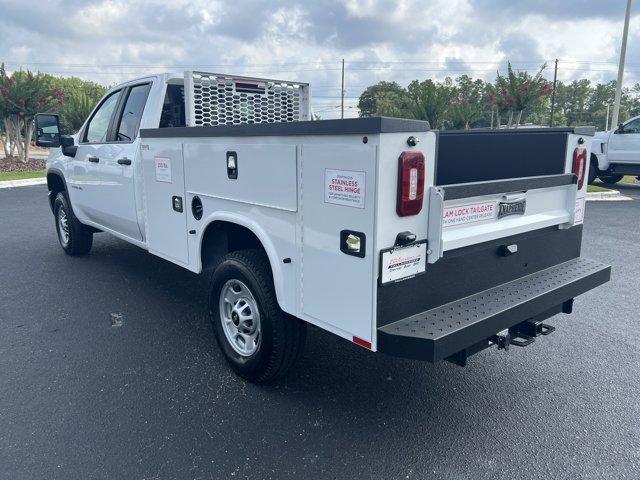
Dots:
{"x": 362, "y": 342}
{"x": 353, "y": 243}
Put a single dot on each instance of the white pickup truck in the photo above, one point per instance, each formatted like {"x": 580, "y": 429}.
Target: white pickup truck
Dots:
{"x": 616, "y": 153}
{"x": 401, "y": 239}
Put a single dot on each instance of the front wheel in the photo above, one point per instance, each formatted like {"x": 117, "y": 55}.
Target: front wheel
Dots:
{"x": 611, "y": 179}
{"x": 73, "y": 237}
{"x": 260, "y": 341}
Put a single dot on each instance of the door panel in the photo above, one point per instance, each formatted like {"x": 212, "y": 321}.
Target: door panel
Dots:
{"x": 337, "y": 286}
{"x": 624, "y": 147}
{"x": 109, "y": 157}
{"x": 84, "y": 175}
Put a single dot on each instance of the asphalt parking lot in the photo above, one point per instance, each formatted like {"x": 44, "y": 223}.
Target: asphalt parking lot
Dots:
{"x": 153, "y": 398}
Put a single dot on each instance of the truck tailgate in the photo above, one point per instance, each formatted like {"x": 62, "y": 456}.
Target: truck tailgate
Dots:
{"x": 472, "y": 213}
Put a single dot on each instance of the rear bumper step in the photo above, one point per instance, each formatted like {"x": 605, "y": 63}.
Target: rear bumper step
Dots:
{"x": 469, "y": 322}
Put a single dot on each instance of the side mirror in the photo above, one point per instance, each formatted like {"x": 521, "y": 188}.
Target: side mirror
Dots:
{"x": 47, "y": 130}
{"x": 620, "y": 128}
{"x": 69, "y": 148}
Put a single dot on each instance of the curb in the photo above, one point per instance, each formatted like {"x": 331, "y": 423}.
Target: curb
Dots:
{"x": 610, "y": 196}
{"x": 27, "y": 182}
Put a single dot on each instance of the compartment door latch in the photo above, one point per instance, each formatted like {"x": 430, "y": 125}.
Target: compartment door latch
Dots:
{"x": 232, "y": 165}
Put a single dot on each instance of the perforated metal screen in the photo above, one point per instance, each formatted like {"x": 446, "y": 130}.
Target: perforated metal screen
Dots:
{"x": 215, "y": 99}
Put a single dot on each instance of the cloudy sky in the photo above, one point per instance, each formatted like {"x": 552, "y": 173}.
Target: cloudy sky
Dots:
{"x": 111, "y": 40}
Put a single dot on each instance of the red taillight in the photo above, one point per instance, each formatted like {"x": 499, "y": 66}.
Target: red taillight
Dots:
{"x": 579, "y": 165}
{"x": 410, "y": 183}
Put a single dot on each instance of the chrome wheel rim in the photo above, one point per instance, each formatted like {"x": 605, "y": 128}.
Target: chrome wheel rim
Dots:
{"x": 240, "y": 317}
{"x": 63, "y": 226}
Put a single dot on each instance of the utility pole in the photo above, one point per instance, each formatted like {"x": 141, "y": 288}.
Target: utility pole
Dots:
{"x": 553, "y": 93}
{"x": 342, "y": 93}
{"x": 606, "y": 122}
{"x": 623, "y": 52}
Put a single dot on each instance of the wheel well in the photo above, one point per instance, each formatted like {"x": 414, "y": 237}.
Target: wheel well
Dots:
{"x": 222, "y": 237}
{"x": 55, "y": 184}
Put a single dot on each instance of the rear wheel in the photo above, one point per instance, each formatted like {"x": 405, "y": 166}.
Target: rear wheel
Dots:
{"x": 260, "y": 341}
{"x": 611, "y": 179}
{"x": 74, "y": 238}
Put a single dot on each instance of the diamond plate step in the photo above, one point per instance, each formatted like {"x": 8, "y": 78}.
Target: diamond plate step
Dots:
{"x": 442, "y": 331}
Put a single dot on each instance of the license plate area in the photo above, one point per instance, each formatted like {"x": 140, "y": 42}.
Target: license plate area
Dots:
{"x": 400, "y": 263}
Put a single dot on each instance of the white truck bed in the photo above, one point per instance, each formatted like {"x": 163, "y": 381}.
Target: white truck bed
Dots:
{"x": 283, "y": 194}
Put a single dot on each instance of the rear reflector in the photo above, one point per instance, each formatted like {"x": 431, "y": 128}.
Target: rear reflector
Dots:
{"x": 579, "y": 165}
{"x": 362, "y": 342}
{"x": 410, "y": 183}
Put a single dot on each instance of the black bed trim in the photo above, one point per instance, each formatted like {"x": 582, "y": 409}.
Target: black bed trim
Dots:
{"x": 582, "y": 130}
{"x": 353, "y": 126}
{"x": 465, "y": 190}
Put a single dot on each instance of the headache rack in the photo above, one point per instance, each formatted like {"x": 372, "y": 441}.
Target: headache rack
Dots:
{"x": 218, "y": 99}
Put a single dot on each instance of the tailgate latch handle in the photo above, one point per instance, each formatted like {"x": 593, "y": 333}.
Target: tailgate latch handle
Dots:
{"x": 507, "y": 250}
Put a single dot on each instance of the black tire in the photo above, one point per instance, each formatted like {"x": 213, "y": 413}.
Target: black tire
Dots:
{"x": 281, "y": 337}
{"x": 78, "y": 239}
{"x": 593, "y": 169}
{"x": 611, "y": 179}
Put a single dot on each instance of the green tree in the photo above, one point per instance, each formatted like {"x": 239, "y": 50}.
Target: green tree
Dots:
{"x": 429, "y": 100}
{"x": 80, "y": 97}
{"x": 468, "y": 106}
{"x": 518, "y": 91}
{"x": 22, "y": 95}
{"x": 572, "y": 100}
{"x": 383, "y": 99}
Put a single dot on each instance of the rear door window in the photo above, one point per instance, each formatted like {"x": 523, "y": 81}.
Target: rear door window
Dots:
{"x": 132, "y": 113}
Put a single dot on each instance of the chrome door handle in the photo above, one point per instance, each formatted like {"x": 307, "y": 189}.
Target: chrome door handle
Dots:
{"x": 93, "y": 159}
{"x": 124, "y": 161}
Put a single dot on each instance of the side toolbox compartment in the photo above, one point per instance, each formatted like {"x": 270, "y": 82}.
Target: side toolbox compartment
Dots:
{"x": 337, "y": 217}
{"x": 164, "y": 200}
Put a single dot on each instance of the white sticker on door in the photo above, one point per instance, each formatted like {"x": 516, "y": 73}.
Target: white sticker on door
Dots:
{"x": 163, "y": 169}
{"x": 344, "y": 187}
{"x": 461, "y": 214}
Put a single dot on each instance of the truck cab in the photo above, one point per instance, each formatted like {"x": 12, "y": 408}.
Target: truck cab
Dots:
{"x": 100, "y": 176}
{"x": 616, "y": 153}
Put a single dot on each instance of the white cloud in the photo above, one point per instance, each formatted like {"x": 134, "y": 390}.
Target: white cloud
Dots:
{"x": 104, "y": 40}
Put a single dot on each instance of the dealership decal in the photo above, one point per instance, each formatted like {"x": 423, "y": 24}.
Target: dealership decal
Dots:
{"x": 475, "y": 212}
{"x": 163, "y": 169}
{"x": 403, "y": 262}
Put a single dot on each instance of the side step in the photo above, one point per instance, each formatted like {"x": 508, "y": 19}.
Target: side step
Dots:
{"x": 469, "y": 322}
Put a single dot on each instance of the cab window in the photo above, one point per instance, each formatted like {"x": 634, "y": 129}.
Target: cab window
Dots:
{"x": 132, "y": 113}
{"x": 98, "y": 127}
{"x": 632, "y": 127}
{"x": 173, "y": 114}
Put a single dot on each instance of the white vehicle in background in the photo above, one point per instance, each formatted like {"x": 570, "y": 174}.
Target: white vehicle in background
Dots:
{"x": 616, "y": 153}
{"x": 401, "y": 239}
